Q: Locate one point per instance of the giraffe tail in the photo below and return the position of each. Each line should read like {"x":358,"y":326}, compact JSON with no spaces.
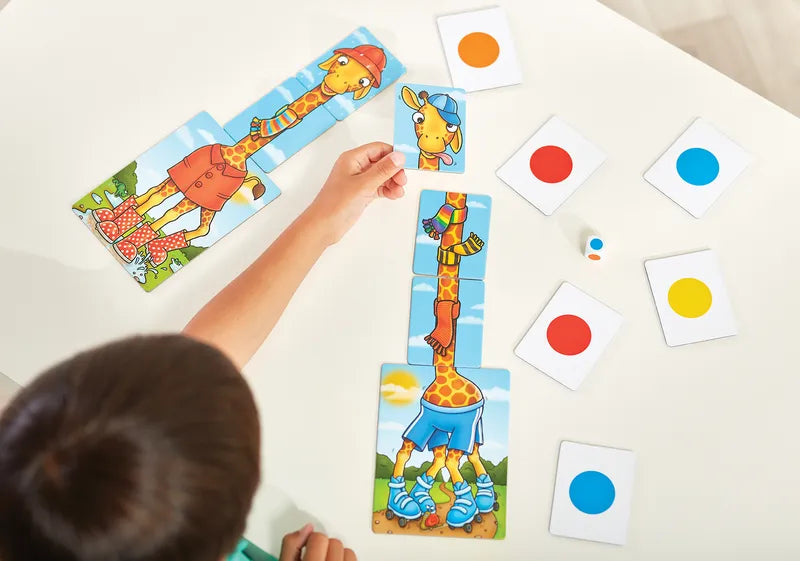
{"x":284,"y":119}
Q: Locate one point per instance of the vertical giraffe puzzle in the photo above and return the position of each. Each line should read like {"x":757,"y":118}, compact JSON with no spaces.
{"x":177,"y":199}
{"x":442,"y":450}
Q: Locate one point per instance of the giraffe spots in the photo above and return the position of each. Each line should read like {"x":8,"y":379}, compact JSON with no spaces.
{"x":445,"y":391}
{"x":441,"y":380}
{"x":471,"y":389}
{"x":239,"y":149}
{"x":458,"y":384}
{"x":459,"y":399}
{"x":434,"y":398}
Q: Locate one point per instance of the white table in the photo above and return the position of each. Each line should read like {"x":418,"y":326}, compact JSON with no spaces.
{"x":87,"y":85}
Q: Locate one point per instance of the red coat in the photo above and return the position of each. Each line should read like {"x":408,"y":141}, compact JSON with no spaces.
{"x":206,"y":178}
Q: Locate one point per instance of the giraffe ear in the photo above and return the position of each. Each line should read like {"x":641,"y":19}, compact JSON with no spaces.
{"x":326,"y":65}
{"x":410,"y":98}
{"x":358,"y":94}
{"x":455,"y":144}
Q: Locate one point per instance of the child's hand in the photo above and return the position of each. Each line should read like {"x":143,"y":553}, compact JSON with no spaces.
{"x":358,"y":177}
{"x":318,"y":547}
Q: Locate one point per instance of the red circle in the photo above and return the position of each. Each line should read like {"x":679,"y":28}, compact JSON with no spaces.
{"x":551,"y":164}
{"x":569,"y":335}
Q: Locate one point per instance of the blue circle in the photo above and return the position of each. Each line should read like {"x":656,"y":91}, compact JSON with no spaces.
{"x":698,"y":166}
{"x":592,"y":492}
{"x":596,"y":244}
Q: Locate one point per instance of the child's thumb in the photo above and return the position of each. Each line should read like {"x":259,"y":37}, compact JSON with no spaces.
{"x":384,"y":169}
{"x":293,"y":543}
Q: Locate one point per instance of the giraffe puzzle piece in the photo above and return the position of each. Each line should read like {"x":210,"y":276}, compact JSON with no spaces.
{"x":429,"y":126}
{"x":209,"y":168}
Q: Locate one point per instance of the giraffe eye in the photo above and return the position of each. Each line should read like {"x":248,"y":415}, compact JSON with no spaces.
{"x":365,"y":82}
{"x":342,"y":60}
{"x":452,"y":128}
{"x":418,"y":117}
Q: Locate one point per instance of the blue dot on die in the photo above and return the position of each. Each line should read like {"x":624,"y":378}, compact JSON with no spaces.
{"x":596,"y":244}
{"x":592,"y":492}
{"x":698,"y":166}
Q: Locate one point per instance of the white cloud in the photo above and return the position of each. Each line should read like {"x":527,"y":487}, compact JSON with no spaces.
{"x":417,"y":341}
{"x":477,"y":306}
{"x":399,"y":393}
{"x":496,"y":393}
{"x":346,"y":103}
{"x":185,"y":136}
{"x":425,"y":239}
{"x":475,"y":204}
{"x":423,"y":287}
{"x":492,"y":444}
{"x":406,"y":148}
{"x":287,"y":95}
{"x":392,"y":426}
{"x":274,"y":154}
{"x":307,"y":74}
{"x":470,"y":320}
{"x":360,"y":36}
{"x":207,"y":136}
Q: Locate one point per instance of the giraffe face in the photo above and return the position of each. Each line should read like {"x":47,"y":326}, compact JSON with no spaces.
{"x":346,"y":75}
{"x":434,"y":134}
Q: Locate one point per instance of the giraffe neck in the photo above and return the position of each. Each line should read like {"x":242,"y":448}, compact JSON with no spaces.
{"x":237,"y":154}
{"x":451,"y":389}
{"x":427,"y":161}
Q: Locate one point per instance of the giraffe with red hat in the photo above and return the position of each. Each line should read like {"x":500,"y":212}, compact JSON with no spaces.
{"x":209,"y":176}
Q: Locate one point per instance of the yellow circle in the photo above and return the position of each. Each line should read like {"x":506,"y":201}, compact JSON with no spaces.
{"x":400,"y":387}
{"x":478,"y":49}
{"x":689,"y":297}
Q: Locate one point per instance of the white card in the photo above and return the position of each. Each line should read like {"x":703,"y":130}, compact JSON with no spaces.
{"x":691,"y":298}
{"x":479,"y":49}
{"x":568,"y":337}
{"x":593,"y":492}
{"x":698,"y":167}
{"x":551,"y":165}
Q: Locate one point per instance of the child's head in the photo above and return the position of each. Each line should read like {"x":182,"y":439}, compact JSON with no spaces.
{"x":144,"y":449}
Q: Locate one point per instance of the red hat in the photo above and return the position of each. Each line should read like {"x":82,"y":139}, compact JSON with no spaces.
{"x":370,"y":57}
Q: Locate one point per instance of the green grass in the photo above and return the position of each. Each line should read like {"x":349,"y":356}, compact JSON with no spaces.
{"x":381,"y":498}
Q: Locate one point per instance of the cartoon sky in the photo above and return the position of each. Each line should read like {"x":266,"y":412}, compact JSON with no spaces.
{"x":479,"y":208}
{"x":401,"y":389}
{"x":152,"y":168}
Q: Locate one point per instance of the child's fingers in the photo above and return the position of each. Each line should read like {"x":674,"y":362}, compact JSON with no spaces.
{"x":349,"y":555}
{"x":293,"y":543}
{"x":317,"y":547}
{"x":361,"y":158}
{"x":384,"y":169}
{"x":335,"y":551}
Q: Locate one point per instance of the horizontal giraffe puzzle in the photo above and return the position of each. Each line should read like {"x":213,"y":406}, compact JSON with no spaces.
{"x":177,"y":199}
{"x":442,"y":452}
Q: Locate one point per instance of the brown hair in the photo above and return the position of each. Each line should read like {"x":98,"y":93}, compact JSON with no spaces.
{"x":146,"y":449}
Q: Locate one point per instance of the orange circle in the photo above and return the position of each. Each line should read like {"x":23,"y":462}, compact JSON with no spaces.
{"x":594,"y":257}
{"x":478,"y":49}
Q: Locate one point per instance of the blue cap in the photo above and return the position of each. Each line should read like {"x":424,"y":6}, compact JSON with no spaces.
{"x":446,"y":106}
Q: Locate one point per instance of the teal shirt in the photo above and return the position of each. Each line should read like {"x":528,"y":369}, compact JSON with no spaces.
{"x":246,"y":551}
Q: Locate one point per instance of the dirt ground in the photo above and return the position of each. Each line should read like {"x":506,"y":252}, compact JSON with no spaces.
{"x":485,"y":529}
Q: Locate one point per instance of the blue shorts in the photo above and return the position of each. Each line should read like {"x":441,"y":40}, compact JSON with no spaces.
{"x":457,"y":428}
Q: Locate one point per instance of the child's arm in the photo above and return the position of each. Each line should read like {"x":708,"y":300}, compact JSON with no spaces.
{"x":239,"y":318}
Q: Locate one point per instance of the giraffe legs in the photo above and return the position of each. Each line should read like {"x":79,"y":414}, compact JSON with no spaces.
{"x":403,"y":455}
{"x":485,"y":497}
{"x":184,"y":206}
{"x":155,"y":196}
{"x":206,"y":216}
{"x":475,"y":459}
{"x":452,"y":462}
{"x":439,"y":454}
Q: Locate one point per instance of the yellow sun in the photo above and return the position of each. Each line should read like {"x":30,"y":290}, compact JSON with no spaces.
{"x":400,"y":387}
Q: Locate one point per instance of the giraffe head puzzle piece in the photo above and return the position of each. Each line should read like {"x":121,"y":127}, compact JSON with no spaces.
{"x":430,"y":419}
{"x":352,"y":72}
{"x":215,"y":190}
{"x":429,"y":126}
